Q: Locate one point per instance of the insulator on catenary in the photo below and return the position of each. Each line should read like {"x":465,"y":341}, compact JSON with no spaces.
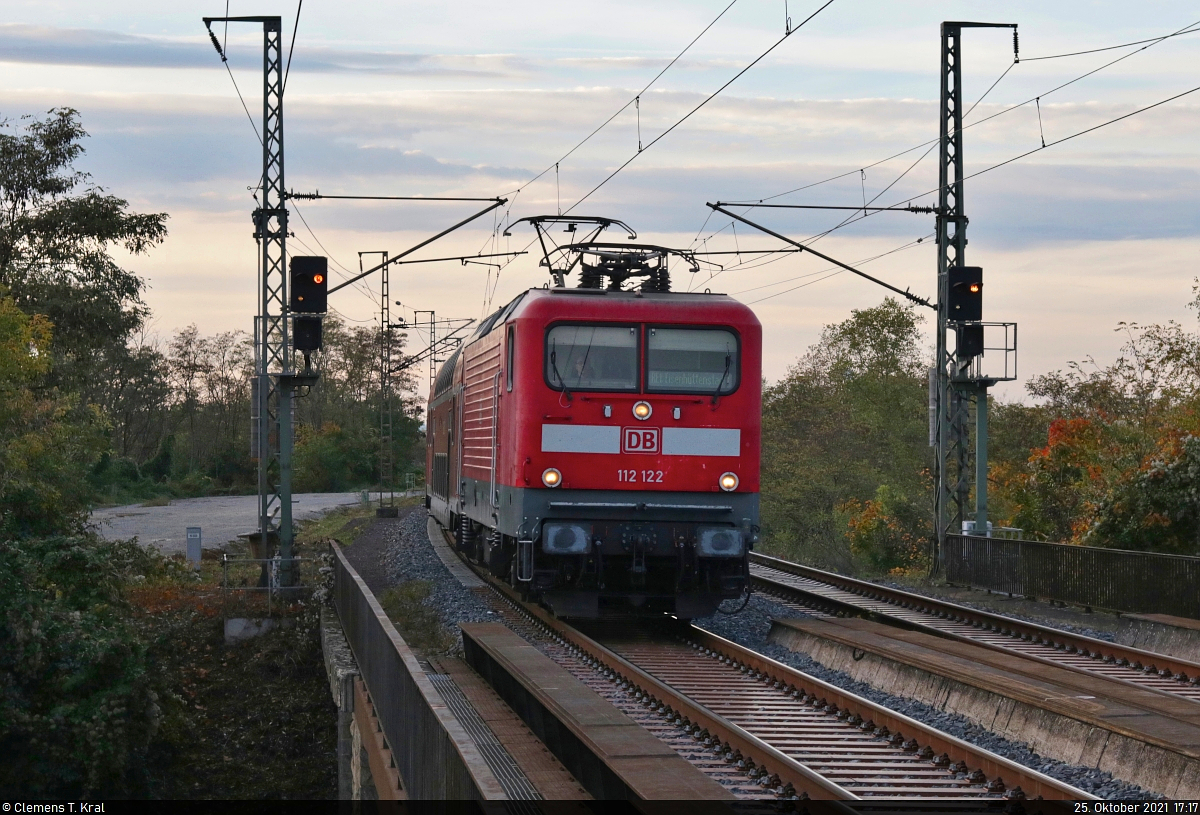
{"x":216,"y":44}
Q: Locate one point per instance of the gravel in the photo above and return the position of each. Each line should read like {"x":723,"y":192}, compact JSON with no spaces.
{"x":410,"y":556}
{"x":750,"y":627}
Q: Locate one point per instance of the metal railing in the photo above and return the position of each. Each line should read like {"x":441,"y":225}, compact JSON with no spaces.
{"x":267,"y":573}
{"x":433,"y":753}
{"x":1115,"y":579}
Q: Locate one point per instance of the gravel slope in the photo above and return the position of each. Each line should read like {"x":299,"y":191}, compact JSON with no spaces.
{"x":410,"y":556}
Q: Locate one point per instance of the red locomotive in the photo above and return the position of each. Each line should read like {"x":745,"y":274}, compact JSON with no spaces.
{"x":598,"y":447}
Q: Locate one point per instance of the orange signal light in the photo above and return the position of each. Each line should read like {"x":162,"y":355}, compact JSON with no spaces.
{"x":320,"y":278}
{"x":975,"y":288}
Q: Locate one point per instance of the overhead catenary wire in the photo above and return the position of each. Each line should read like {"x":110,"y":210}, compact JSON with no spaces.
{"x":1024,"y":155}
{"x":1076,"y":135}
{"x":790,"y":31}
{"x":832,"y":269}
{"x":1192,"y":29}
{"x":704,"y":102}
{"x":1151,"y":43}
{"x":1048,"y":145}
{"x":319,"y":196}
{"x":605,"y":123}
{"x":499,"y":202}
{"x":932,"y":144}
{"x":908,"y":295}
{"x":292,"y":47}
{"x":910,"y":199}
{"x":221,"y":52}
{"x":876,"y":197}
{"x":772,"y":256}
{"x":253,"y":126}
{"x":363,"y":288}
{"x":625,"y":107}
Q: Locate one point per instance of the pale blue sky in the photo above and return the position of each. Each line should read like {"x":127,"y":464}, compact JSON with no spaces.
{"x":476,"y":98}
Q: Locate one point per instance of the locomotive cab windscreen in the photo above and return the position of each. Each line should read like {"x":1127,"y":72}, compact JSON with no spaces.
{"x":592,"y":357}
{"x":691,"y":360}
{"x":678,"y":360}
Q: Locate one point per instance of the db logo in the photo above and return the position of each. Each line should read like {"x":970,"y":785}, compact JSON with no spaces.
{"x":639,"y":440}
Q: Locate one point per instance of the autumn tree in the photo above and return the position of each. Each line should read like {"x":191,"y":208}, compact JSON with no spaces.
{"x":338,"y":435}
{"x":58,"y":230}
{"x":849,"y":417}
{"x":1116,"y":462}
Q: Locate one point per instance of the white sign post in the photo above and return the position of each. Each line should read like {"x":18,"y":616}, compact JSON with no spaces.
{"x":193,"y":545}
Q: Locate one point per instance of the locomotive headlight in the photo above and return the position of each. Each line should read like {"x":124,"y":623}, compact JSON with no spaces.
{"x":642,"y":411}
{"x":720,"y":541}
{"x":551,"y":477}
{"x":728,"y":482}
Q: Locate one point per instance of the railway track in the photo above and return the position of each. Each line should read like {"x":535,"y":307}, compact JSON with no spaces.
{"x":763,"y":729}
{"x":817,"y":590}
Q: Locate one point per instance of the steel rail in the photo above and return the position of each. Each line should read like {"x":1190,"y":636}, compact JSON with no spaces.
{"x":768,"y":718}
{"x":923,"y":761}
{"x":847,"y":595}
{"x":653,"y":693}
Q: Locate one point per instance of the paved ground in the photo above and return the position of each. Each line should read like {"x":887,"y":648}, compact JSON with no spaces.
{"x":221,"y":519}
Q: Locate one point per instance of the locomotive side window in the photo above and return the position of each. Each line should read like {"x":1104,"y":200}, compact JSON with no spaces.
{"x":512,"y":355}
{"x":691,"y":360}
{"x":592,"y":358}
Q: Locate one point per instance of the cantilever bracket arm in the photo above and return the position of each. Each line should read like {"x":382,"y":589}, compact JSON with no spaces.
{"x":499,"y":203}
{"x":251,"y":19}
{"x":902,"y":292}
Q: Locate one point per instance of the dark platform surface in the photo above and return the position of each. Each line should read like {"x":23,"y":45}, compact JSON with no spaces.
{"x":610,"y":754}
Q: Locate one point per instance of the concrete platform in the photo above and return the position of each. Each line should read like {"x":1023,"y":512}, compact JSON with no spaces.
{"x":611,"y":755}
{"x":1177,"y":636}
{"x":1162,"y":633}
{"x":1139,"y":735}
{"x":461,"y":571}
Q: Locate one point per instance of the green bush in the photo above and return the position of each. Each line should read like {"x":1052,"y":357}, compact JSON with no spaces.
{"x":77,"y":711}
{"x":888,"y":534}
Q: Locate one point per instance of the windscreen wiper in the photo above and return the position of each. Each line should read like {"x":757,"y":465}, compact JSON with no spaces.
{"x":554,"y":367}
{"x":717,"y":393}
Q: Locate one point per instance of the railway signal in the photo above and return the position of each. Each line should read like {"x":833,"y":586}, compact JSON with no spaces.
{"x":310,"y":284}
{"x":965,"y":300}
{"x":969,"y":340}
{"x":306,"y":335}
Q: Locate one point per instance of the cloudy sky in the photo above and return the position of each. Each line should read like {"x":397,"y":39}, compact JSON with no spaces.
{"x":476,"y":99}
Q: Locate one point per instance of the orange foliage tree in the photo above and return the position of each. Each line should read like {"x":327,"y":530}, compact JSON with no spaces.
{"x":1121,"y":463}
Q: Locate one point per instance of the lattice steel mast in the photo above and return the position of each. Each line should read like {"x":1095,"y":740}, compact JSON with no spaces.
{"x":387,"y":492}
{"x":954,"y":389}
{"x":273,"y":374}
